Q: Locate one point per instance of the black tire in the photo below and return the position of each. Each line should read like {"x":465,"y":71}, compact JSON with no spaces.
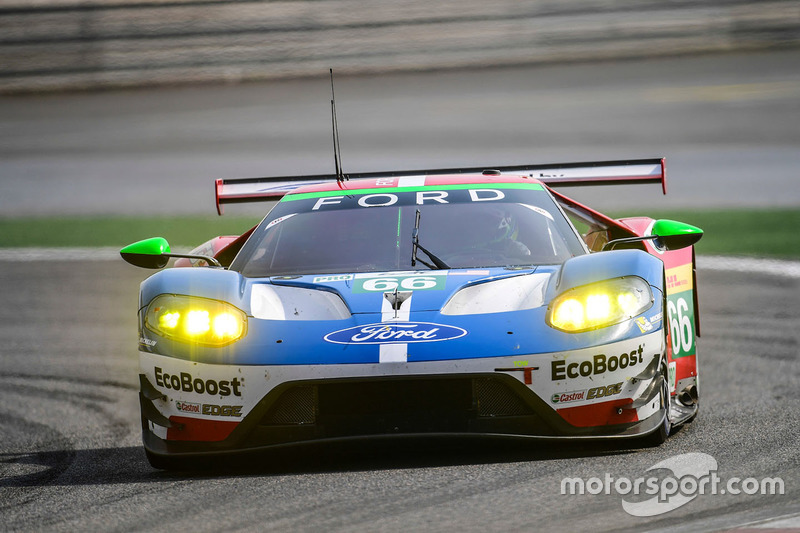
{"x":657,"y":437}
{"x":660,"y":435}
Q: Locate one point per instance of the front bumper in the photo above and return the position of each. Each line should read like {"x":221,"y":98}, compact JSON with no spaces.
{"x":195,"y":408}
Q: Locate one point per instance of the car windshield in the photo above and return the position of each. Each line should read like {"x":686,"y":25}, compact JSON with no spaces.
{"x":473,"y":226}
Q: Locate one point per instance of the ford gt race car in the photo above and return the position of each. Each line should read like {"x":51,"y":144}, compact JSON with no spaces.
{"x":435,"y":302}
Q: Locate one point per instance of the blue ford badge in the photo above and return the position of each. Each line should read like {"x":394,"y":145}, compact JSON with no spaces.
{"x":395,"y":332}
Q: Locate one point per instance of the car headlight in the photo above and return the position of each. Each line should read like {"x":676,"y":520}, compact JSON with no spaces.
{"x":600,"y":304}
{"x":195,"y":320}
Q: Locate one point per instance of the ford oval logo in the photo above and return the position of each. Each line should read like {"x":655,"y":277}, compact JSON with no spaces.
{"x":395,"y":332}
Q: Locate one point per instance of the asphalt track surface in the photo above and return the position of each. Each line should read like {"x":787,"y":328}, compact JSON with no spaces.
{"x":70,"y":452}
{"x":71,"y":458}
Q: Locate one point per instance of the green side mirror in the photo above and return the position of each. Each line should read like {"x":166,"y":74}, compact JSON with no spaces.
{"x":674,"y":235}
{"x":149,"y":253}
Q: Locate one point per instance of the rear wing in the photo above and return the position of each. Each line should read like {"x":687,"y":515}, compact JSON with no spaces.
{"x":626,"y":172}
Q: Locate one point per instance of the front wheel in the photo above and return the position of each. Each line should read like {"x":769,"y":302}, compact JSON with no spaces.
{"x":657,"y":437}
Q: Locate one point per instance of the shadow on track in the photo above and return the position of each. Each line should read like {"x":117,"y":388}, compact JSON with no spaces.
{"x":128,"y":464}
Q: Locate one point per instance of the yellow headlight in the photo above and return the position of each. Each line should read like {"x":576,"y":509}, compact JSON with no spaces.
{"x":168,"y":320}
{"x":569,"y":314}
{"x":600,"y":304}
{"x":628,"y":302}
{"x":226,"y":326}
{"x":598,"y":307}
{"x":195,"y":320}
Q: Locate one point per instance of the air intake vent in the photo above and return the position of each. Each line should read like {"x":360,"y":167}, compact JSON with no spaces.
{"x":297,"y":405}
{"x":495,"y":398}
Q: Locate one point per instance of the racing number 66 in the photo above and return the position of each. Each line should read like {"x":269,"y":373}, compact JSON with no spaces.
{"x":680,"y":327}
{"x":390,"y":284}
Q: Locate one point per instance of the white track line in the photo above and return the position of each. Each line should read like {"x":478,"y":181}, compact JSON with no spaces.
{"x":65,"y":254}
{"x":59,"y":254}
{"x":789,"y":522}
{"x":773,"y":267}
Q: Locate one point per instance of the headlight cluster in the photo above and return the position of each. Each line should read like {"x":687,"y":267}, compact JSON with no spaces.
{"x":600,"y":304}
{"x":195,"y":320}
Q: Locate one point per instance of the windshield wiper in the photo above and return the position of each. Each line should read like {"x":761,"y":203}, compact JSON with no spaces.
{"x":439,"y":264}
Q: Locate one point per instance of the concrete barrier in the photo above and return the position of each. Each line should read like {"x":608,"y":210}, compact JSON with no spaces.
{"x":73,"y":44}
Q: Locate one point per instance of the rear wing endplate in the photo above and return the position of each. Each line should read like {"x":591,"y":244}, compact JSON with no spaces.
{"x":626,"y":172}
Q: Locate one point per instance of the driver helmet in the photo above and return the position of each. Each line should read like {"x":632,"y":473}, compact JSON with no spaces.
{"x":497,"y":225}
{"x":499,"y":229}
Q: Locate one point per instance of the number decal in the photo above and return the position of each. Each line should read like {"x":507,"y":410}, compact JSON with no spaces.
{"x":405,"y":283}
{"x":681,"y":326}
{"x":419,"y":283}
{"x":672,"y":371}
{"x":674,"y":327}
{"x":380,"y":285}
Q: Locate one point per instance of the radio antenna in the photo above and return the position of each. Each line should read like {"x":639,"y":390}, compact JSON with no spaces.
{"x":337,"y":156}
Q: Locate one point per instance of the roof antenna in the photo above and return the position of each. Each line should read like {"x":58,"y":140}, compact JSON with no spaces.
{"x":337,"y":156}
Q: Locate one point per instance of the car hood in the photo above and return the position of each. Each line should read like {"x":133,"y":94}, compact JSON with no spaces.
{"x":435,"y":315}
{"x":416,"y":291}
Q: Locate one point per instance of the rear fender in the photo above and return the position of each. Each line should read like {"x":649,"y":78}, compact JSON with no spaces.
{"x":681,"y":304}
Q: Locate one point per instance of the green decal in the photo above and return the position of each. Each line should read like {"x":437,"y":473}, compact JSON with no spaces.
{"x":415,"y":282}
{"x":394,"y":190}
{"x":672,"y":370}
{"x":680,"y":310}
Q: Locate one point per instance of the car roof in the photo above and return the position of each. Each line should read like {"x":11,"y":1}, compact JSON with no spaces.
{"x":421,"y":180}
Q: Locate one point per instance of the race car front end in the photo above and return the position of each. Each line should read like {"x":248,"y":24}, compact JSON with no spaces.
{"x":412,"y":305}
{"x":320,"y":358}
{"x":495,"y":396}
